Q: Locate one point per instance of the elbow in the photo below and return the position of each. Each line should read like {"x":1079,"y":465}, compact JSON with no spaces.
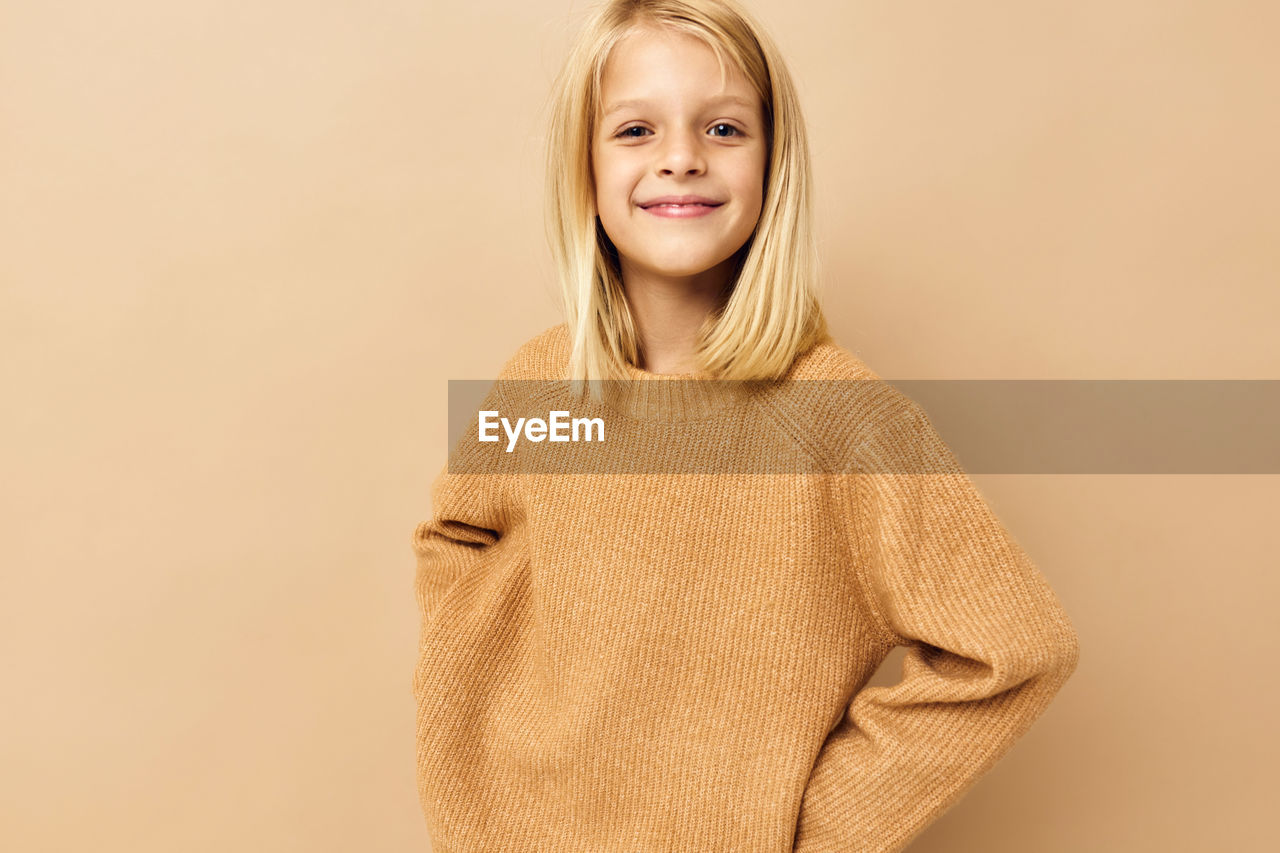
{"x":1056,"y":647}
{"x":1068,"y":654}
{"x":1043,"y":662}
{"x":1058,"y":657}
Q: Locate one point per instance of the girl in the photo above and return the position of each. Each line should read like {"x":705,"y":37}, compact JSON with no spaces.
{"x":654,"y":647}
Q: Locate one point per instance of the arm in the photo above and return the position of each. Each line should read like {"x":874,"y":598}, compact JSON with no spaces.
{"x":988,"y":645}
{"x":470,"y":500}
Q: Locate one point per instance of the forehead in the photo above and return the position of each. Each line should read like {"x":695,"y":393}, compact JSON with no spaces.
{"x":650,"y":65}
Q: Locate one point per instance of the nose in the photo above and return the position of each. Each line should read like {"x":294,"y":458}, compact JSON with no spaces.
{"x":680,"y":154}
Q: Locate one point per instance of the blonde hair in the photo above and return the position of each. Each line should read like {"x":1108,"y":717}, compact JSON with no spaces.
{"x":772,"y":313}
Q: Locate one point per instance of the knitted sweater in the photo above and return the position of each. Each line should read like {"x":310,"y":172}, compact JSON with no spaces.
{"x":670,"y":661}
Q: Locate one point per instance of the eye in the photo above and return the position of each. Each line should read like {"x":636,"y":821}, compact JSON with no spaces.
{"x":625,"y":133}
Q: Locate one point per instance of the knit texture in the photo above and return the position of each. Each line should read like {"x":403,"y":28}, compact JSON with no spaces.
{"x":676,"y":662}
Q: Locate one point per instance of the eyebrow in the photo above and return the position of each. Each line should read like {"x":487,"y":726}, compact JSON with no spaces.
{"x":640,"y":102}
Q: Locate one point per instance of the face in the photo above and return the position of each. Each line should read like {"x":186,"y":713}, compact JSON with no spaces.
{"x":681,"y":134}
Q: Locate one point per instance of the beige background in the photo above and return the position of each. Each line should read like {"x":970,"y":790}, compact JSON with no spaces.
{"x":245,"y":245}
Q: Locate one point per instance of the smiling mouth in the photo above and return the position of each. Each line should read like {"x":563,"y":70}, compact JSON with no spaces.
{"x":692,"y":210}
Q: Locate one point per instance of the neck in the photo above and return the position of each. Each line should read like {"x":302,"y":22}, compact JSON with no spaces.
{"x":668,"y":311}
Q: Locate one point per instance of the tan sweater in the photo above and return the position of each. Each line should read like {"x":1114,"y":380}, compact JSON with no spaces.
{"x":675,"y":659}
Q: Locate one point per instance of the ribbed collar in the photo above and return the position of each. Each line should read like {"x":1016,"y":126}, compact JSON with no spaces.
{"x":673,"y":397}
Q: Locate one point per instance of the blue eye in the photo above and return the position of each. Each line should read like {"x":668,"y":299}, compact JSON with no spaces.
{"x":625,"y":131}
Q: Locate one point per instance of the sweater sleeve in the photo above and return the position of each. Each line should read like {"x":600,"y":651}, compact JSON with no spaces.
{"x":988,"y":645}
{"x":470,"y":512}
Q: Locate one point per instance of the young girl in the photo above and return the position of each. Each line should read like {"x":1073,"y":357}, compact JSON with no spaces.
{"x":661,"y":642}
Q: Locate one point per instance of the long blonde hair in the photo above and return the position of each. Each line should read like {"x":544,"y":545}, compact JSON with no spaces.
{"x":772,"y":313}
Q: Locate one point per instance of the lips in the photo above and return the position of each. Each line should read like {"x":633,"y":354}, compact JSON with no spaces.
{"x":681,"y":211}
{"x":677,"y":201}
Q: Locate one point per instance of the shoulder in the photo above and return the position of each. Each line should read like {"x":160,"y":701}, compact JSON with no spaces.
{"x":841,"y":404}
{"x":829,"y":360}
{"x":543,"y":356}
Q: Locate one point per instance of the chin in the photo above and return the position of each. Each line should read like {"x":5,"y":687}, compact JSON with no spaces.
{"x":682,"y":262}
{"x":681,"y":271}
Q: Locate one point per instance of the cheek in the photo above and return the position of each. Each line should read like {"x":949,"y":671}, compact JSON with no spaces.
{"x":751,"y":188}
{"x":614,"y":189}
{"x":600,"y":171}
{"x":750,"y":177}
